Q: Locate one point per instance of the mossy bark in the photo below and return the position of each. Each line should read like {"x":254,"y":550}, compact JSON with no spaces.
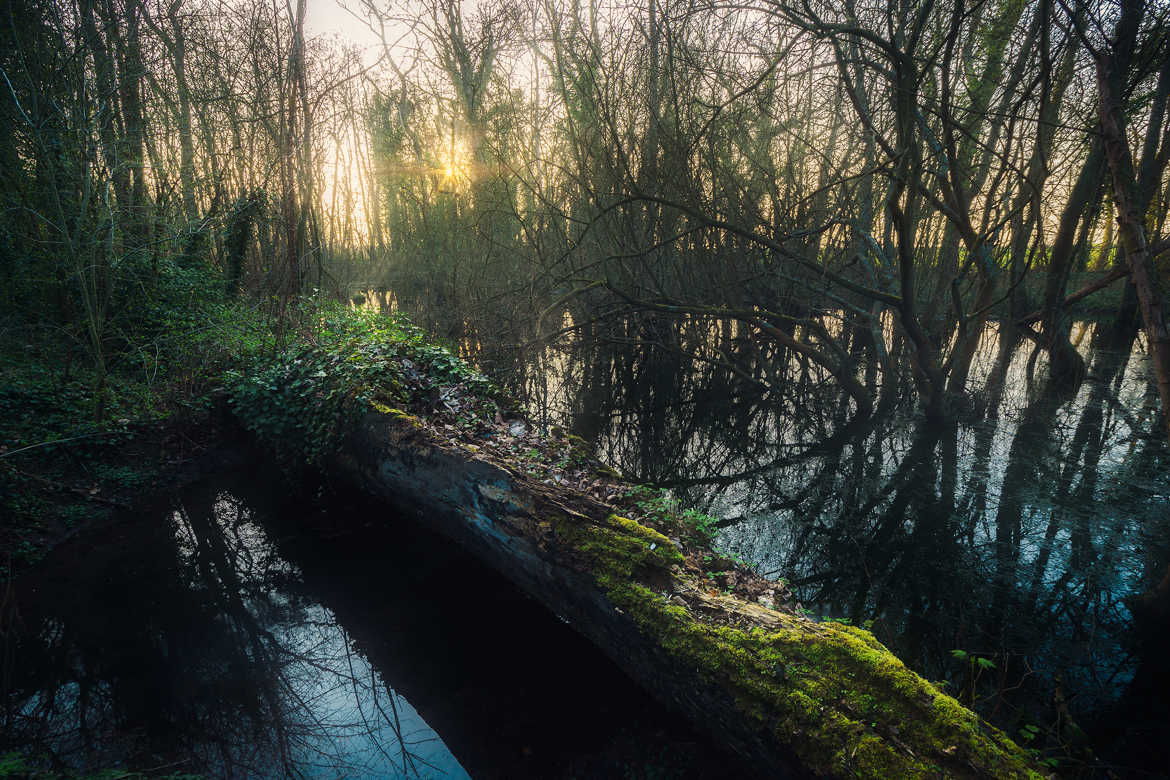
{"x":792,"y":696}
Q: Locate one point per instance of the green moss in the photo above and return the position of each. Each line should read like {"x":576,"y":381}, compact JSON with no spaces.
{"x":397,"y":414}
{"x":832,"y":692}
{"x":619,"y":548}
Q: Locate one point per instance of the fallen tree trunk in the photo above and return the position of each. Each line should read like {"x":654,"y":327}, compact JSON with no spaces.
{"x":792,"y":696}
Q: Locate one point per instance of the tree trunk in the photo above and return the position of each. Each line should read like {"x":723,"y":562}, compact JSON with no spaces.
{"x":738,"y":670}
{"x":1132,"y":229}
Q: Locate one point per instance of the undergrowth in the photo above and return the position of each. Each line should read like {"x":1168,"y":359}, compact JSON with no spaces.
{"x":17,"y":766}
{"x":297,"y":378}
{"x":73,"y":446}
{"x":303,"y":399}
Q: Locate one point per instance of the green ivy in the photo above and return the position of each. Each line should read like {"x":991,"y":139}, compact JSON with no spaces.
{"x":305,"y":398}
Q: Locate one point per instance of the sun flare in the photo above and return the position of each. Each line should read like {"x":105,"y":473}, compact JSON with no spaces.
{"x":454,"y":158}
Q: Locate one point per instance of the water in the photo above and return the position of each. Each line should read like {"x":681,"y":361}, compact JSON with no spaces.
{"x":242,"y":629}
{"x":1002,"y":554}
{"x":1014,"y":555}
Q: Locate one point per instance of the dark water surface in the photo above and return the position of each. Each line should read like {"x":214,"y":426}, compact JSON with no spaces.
{"x":244,"y":630}
{"x":1015,"y":554}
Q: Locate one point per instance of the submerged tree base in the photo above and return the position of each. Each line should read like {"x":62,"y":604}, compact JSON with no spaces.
{"x":791,"y":695}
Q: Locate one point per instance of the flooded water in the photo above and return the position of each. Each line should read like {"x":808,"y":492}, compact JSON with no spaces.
{"x":246,"y":629}
{"x":1020,"y":555}
{"x":1005,"y":554}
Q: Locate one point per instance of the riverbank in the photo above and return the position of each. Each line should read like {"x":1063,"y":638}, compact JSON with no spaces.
{"x":72,"y":486}
{"x":78,"y":443}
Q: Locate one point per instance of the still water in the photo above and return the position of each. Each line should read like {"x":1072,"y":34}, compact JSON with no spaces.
{"x":1005,"y":554}
{"x":244,"y":628}
{"x":1019,"y":555}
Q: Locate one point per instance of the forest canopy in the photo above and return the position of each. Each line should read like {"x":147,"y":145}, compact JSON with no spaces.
{"x":841,"y":184}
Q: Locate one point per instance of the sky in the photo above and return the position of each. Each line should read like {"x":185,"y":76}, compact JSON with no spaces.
{"x":329,"y":18}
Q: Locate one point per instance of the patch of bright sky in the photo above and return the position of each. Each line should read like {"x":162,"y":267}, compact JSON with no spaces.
{"x":331,"y":19}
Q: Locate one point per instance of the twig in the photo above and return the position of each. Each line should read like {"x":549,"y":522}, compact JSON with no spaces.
{"x":56,"y":441}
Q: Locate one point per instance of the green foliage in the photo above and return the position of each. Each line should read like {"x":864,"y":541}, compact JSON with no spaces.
{"x":167,"y":351}
{"x":13,"y":765}
{"x":663,"y":509}
{"x":1029,"y":732}
{"x":16,"y":765}
{"x":185,"y":336}
{"x":124,"y":475}
{"x":300,"y":399}
{"x":244,"y":211}
{"x":981,"y":662}
{"x":169,"y":342}
{"x":36,"y":406}
{"x":306,"y":397}
{"x":976,"y":665}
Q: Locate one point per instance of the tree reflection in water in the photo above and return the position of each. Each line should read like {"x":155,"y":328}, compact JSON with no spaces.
{"x":249,"y":630}
{"x":1020,"y":533}
{"x":215,"y":662}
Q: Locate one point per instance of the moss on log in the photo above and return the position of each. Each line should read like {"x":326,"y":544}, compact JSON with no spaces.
{"x":793,"y":696}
